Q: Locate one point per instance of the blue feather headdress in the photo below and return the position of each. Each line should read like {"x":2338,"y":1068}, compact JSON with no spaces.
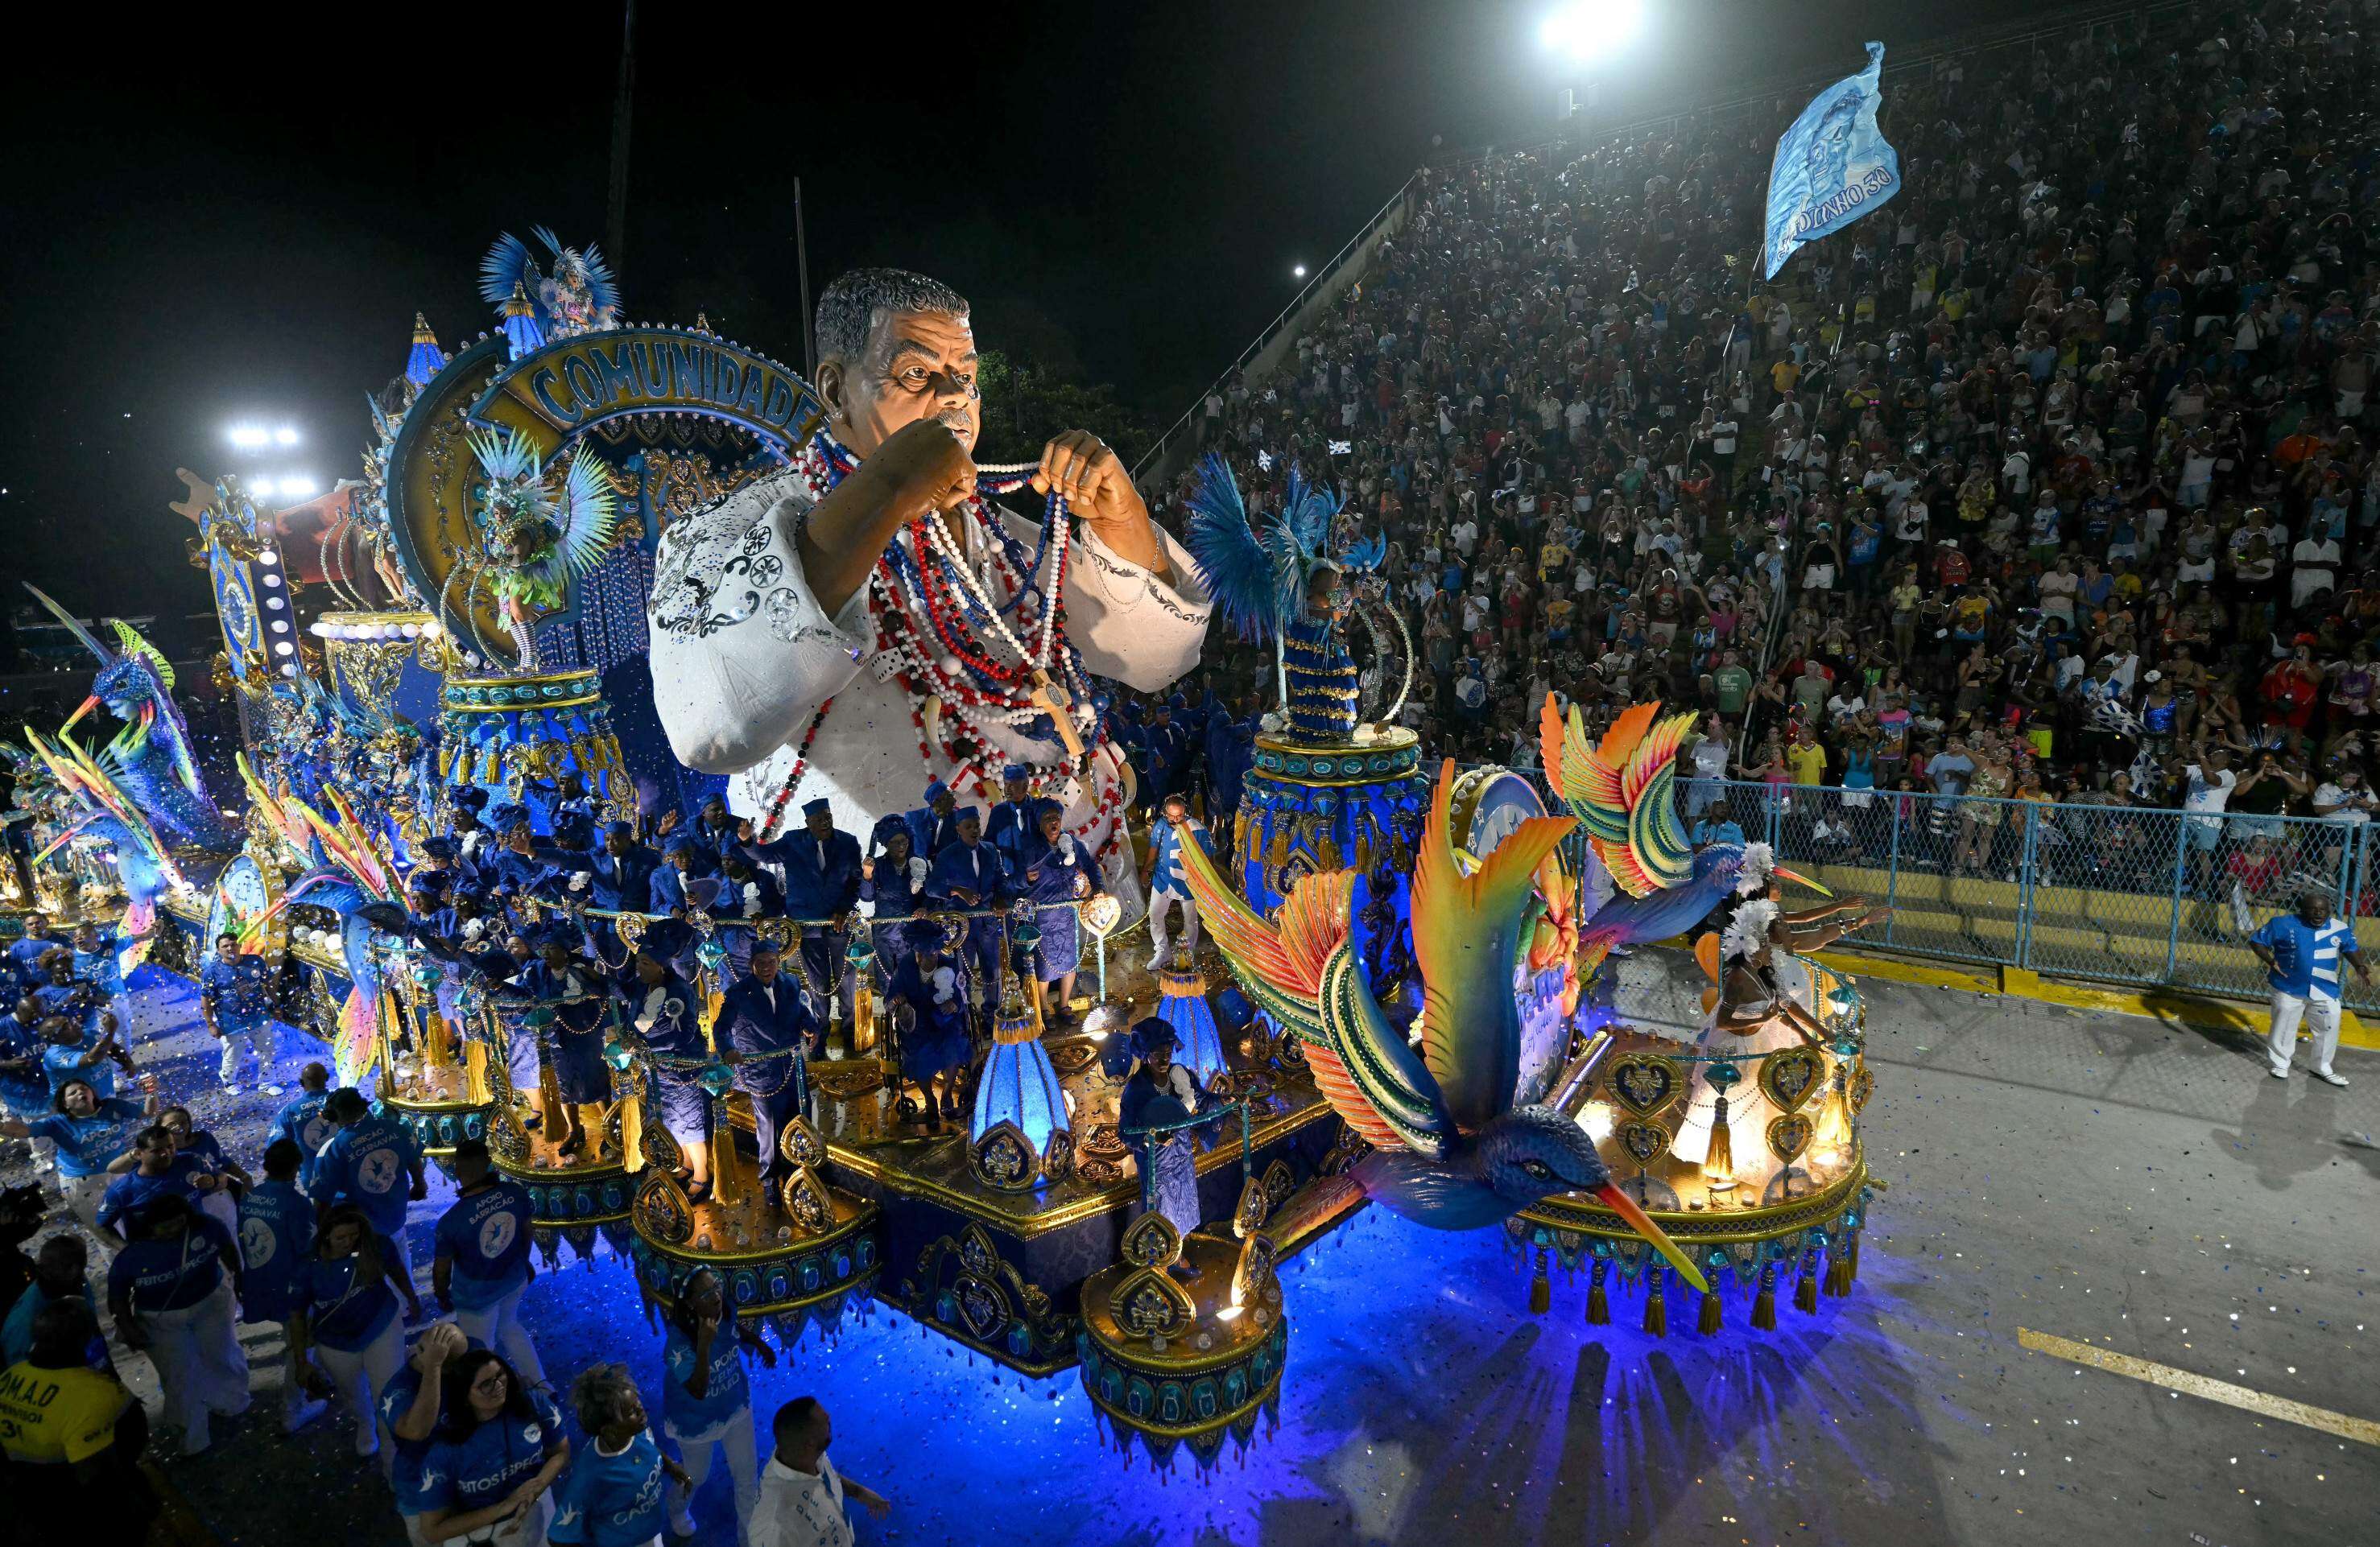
{"x":1256,"y":567}
{"x":577,"y":295}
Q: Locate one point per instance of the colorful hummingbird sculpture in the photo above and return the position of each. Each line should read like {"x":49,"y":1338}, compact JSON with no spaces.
{"x":1452,"y":1150}
{"x":1621,"y":791}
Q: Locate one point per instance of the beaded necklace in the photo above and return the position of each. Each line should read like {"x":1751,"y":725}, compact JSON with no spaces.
{"x":937,"y":621}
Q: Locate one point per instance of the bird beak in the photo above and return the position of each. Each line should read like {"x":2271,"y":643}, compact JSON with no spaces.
{"x":1798,"y":879}
{"x":1641,"y":1223}
{"x":88,"y":705}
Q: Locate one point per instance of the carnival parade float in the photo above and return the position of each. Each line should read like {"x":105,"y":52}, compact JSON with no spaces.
{"x":459,"y":642}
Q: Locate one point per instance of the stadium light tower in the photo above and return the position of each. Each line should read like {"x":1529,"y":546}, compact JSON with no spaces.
{"x":1588,"y":36}
{"x":1590,"y":31}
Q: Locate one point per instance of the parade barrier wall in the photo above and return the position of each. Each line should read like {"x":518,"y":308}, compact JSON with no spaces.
{"x":2137,"y":897}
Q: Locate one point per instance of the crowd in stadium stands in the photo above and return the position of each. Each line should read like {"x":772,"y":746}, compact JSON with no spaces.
{"x":2052,"y":479}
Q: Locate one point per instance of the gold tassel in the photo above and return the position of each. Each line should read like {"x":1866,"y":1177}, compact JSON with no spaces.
{"x":1855,"y":1248}
{"x":1838,"y":1272}
{"x":1599,"y":1304}
{"x":1805,"y":1291}
{"x":1710,"y":1312}
{"x":1764,"y":1304}
{"x":1719,"y":1166}
{"x":1656,"y":1310}
{"x":1541,"y":1287}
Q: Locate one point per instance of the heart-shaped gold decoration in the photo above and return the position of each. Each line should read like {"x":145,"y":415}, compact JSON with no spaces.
{"x":1642,"y":1082}
{"x":1787,"y":1077}
{"x":1101,"y":914}
{"x":1863,"y":1085}
{"x":1789,"y":1135}
{"x":1644,"y":1141}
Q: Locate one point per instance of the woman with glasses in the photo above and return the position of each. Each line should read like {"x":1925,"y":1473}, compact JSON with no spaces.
{"x":496,"y":1455}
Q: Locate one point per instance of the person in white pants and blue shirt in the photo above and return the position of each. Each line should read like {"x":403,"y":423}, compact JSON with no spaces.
{"x":483,"y":1267}
{"x":1168,"y":888}
{"x":2302,"y":953}
{"x":706,"y":1402}
{"x":171,"y":1290}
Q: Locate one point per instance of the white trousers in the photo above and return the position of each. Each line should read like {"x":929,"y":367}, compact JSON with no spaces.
{"x":498,"y":1326}
{"x":238,"y":1045}
{"x":2318,"y":1013}
{"x":221,"y":1207}
{"x":359,"y":1377}
{"x":83,"y":1195}
{"x":1161,"y":905}
{"x":694,"y":1453}
{"x":199,"y":1364}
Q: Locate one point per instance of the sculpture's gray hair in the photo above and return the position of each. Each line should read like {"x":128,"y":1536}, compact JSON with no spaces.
{"x":848,"y":309}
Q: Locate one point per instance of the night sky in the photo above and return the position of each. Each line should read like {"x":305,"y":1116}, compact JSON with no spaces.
{"x":235,"y":217}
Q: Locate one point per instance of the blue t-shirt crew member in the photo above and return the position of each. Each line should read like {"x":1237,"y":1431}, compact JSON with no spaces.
{"x":493,"y":1452}
{"x":88,"y":1130}
{"x":483,"y":1267}
{"x":236,"y":1001}
{"x":372,"y":1162}
{"x":2302,"y":952}
{"x":276,"y":1237}
{"x":706,"y":1402}
{"x":614,"y":1494}
{"x":347,"y":1320}
{"x":171,"y":1290}
{"x":301,"y":1121}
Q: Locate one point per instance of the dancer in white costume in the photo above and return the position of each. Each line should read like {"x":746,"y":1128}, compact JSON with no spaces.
{"x":866,"y":619}
{"x":1766,"y":1003}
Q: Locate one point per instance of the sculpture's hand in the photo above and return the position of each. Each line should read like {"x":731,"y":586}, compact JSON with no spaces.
{"x":1086,"y":471}
{"x":925,"y":468}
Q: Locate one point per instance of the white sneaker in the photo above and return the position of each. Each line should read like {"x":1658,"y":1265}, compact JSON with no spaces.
{"x":2278,"y":1073}
{"x":231,"y":1090}
{"x":2327,"y":1078}
{"x":269,"y":1090}
{"x":292,"y":1422}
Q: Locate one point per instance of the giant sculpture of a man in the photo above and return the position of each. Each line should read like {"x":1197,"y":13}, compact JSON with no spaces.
{"x":866,"y":619}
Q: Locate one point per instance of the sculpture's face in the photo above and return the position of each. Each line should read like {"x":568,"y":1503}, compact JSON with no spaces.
{"x":918,"y":365}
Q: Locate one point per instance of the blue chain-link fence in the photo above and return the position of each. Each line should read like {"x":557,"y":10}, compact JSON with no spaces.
{"x":2122,"y":894}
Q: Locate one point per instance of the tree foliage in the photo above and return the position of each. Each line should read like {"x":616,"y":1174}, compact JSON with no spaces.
{"x":1026,"y":404}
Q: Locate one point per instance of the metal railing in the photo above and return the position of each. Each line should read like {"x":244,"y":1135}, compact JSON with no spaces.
{"x":1327,"y":276}
{"x":2142,"y":896}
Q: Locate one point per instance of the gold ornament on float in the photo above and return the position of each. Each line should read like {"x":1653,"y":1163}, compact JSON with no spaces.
{"x":1642,"y":1082}
{"x":1789,"y":1078}
{"x":1789,"y":1135}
